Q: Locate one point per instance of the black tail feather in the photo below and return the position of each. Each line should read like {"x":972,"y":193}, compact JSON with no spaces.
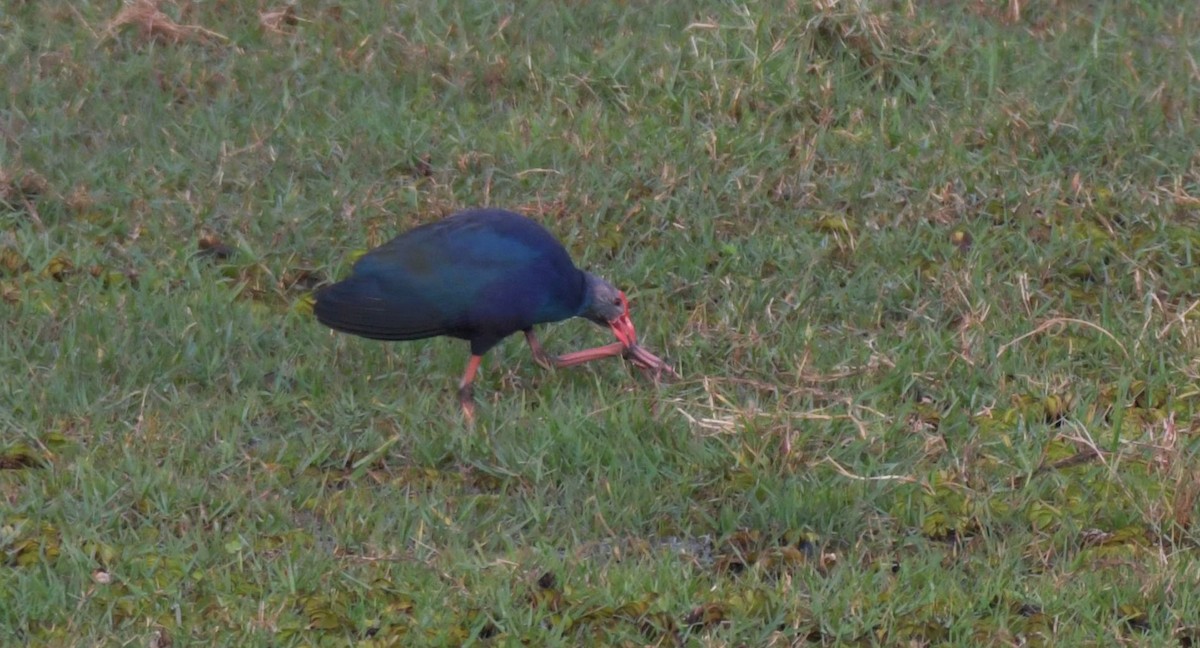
{"x":359,"y":306}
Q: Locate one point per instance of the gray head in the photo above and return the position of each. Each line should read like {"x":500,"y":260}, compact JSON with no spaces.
{"x":607,"y":306}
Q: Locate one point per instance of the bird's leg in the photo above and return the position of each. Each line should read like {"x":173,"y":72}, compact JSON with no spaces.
{"x":587,"y":355}
{"x":535,"y":347}
{"x":637,"y":354}
{"x":466,"y":389}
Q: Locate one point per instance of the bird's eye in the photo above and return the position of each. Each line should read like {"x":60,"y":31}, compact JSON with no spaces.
{"x":617,"y":301}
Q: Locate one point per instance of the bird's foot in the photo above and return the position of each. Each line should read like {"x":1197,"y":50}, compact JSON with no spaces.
{"x":648,"y":362}
{"x":539,"y":355}
{"x":543,"y":359}
{"x":466,"y":389}
{"x":466,"y":398}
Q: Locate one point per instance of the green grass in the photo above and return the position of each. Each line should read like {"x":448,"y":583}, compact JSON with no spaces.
{"x":941,"y":252}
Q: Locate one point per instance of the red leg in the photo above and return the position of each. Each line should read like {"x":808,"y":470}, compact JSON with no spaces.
{"x":466,"y":389}
{"x":636,"y":354}
{"x":587,"y":355}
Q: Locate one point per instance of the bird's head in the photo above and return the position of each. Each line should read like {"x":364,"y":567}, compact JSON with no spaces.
{"x":607,"y":306}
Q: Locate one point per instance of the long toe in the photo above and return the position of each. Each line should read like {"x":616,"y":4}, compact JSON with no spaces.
{"x":535,"y":348}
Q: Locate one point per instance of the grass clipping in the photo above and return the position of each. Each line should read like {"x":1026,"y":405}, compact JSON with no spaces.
{"x":154,"y":25}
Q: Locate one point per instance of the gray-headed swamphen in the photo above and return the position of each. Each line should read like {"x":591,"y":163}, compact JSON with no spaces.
{"x":479,"y":275}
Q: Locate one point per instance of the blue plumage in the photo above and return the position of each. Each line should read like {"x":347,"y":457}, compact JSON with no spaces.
{"x":479,"y":275}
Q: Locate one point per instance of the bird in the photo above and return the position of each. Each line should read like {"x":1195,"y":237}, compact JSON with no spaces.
{"x":479,"y":275}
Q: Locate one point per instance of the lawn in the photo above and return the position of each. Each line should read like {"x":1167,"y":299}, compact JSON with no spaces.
{"x":925,"y":270}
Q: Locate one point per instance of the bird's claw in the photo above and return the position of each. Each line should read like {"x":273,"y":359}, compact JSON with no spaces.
{"x":648,"y":362}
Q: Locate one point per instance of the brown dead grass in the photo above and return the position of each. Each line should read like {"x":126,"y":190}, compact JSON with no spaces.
{"x":19,"y":190}
{"x":279,"y":20}
{"x":153,"y":25}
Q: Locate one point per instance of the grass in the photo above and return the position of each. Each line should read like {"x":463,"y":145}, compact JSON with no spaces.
{"x":926,"y":268}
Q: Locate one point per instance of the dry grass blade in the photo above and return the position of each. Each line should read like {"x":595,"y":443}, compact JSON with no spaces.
{"x":1166,"y":452}
{"x":1056,"y":321}
{"x":154,"y":25}
{"x":841,"y":470}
